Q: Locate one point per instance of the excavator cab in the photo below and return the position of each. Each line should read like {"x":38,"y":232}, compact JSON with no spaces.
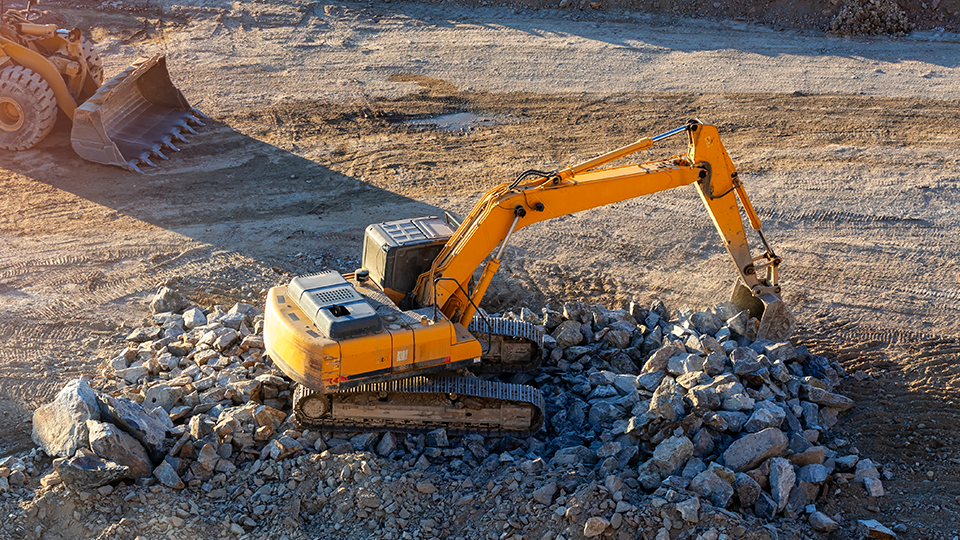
{"x":397,"y":252}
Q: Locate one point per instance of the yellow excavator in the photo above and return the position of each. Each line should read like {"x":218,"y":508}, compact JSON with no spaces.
{"x":129,"y":121}
{"x":383,"y":348}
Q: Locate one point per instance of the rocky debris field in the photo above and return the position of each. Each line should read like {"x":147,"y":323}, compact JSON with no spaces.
{"x":659,"y":426}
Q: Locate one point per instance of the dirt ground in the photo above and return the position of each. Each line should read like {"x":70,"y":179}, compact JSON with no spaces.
{"x":847,"y":147}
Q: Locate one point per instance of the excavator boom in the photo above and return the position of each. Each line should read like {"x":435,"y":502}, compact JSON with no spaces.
{"x":512,"y":206}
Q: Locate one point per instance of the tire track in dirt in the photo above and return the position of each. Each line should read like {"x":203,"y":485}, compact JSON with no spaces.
{"x":905,"y":386}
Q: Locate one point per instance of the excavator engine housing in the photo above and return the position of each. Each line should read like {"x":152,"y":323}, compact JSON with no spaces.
{"x":333,"y":305}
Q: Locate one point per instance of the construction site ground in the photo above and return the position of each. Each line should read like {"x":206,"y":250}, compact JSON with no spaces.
{"x":323,"y":121}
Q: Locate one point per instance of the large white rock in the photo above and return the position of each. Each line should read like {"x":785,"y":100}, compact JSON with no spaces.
{"x":60,"y":427}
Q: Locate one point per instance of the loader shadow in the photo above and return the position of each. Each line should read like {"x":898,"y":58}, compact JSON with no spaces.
{"x":227,"y":189}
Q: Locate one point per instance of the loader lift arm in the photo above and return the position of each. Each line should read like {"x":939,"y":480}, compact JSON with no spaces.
{"x":512,"y":206}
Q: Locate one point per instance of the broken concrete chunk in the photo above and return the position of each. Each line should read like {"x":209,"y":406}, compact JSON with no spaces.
{"x":161,"y":395}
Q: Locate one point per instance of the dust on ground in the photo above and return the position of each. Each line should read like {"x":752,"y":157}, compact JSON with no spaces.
{"x":855,"y":177}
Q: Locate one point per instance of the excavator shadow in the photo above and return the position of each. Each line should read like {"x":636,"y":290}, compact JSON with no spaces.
{"x":228,"y":190}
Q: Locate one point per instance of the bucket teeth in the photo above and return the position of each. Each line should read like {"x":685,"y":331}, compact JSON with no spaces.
{"x":155,"y":118}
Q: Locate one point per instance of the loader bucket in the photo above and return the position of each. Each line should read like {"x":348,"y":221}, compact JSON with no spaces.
{"x":776,"y":321}
{"x":134,"y":117}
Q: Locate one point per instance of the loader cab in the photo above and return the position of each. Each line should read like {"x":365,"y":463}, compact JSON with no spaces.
{"x":397,"y":252}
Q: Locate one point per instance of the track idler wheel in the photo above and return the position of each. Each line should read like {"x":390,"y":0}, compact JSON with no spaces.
{"x":310,"y":406}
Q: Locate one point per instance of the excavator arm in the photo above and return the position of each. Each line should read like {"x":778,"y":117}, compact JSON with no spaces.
{"x":512,"y":206}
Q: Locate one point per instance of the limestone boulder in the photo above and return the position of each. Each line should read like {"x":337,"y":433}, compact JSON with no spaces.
{"x":60,"y":427}
{"x":112,"y":444}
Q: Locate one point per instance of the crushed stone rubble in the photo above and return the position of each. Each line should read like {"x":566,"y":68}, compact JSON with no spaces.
{"x":669,"y":427}
{"x":871,"y":18}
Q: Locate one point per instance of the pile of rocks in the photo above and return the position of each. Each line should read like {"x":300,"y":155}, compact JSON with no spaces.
{"x":188,"y":397}
{"x":654,"y":423}
{"x":704,"y":406}
{"x":871,"y":18}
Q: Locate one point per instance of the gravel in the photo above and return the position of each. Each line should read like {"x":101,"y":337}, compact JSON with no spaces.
{"x":681,"y":423}
{"x":871,"y":18}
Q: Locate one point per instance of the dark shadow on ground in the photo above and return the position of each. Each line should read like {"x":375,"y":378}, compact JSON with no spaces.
{"x":227,"y":189}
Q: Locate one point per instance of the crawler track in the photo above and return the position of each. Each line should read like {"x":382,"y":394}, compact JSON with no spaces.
{"x":418,"y":405}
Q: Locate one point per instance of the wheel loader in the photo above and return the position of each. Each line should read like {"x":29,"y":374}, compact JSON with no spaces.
{"x":128,"y":121}
{"x":388,"y":347}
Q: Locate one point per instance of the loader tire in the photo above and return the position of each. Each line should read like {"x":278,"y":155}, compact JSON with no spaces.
{"x":28,"y":108}
{"x":94,"y":63}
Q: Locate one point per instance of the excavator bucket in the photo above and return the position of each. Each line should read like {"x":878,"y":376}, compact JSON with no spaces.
{"x":776,"y":321}
{"x":134,"y":117}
